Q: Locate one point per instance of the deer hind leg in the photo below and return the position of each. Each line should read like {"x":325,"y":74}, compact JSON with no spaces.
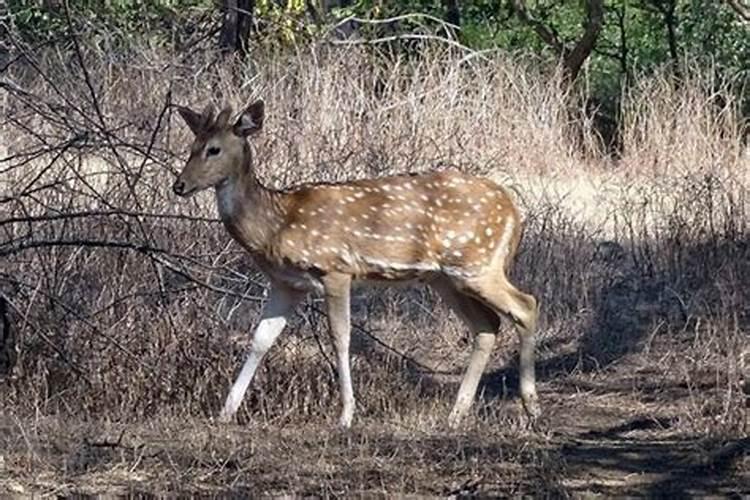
{"x":483,"y":323}
{"x":275,"y":315}
{"x":522,"y":309}
{"x":337,"y":293}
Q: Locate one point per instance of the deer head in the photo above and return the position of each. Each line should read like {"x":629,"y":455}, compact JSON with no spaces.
{"x":220,"y":149}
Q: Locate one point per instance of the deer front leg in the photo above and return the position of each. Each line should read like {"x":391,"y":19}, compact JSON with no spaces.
{"x":275,"y":315}
{"x":337,"y":292}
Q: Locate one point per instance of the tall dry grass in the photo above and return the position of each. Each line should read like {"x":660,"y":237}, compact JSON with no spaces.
{"x":128,"y":303}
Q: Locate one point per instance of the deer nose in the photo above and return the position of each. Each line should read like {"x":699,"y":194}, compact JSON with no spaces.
{"x":178,"y":187}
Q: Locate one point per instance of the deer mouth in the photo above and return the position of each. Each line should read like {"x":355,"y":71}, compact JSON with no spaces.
{"x":181,"y":189}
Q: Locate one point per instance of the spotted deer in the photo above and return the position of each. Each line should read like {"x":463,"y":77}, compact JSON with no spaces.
{"x":456,"y":232}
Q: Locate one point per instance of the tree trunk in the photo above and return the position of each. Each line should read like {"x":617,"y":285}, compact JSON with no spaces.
{"x":573,"y":57}
{"x":8,"y":352}
{"x":327,"y":5}
{"x":667,"y":10}
{"x":452,"y":16}
{"x":623,"y":54}
{"x":236,"y":26}
{"x":452,"y":12}
{"x":5,"y":23}
{"x":670,"y":21}
{"x":312,"y":9}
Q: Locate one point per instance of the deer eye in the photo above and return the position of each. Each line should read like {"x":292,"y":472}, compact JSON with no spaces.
{"x":212,"y":151}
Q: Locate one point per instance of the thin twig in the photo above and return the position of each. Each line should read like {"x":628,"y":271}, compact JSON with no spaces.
{"x":105,"y":213}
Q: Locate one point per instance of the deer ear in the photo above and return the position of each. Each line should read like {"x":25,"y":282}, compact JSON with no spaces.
{"x":196,"y":121}
{"x":251,"y":120}
{"x":223,"y":118}
{"x":208,"y":114}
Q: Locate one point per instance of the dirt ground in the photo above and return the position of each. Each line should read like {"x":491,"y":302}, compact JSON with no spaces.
{"x":619,"y":432}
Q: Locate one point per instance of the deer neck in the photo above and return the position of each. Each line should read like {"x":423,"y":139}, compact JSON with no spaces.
{"x":251,"y":212}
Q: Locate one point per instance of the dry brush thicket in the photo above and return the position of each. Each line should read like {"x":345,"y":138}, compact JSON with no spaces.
{"x":127,"y":303}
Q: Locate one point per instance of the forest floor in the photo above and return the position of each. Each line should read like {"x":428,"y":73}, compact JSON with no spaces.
{"x":623,"y":431}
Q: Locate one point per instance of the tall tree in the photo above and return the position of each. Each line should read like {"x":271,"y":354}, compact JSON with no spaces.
{"x":668,"y":10}
{"x":8,"y":349}
{"x":5,"y":21}
{"x":573,"y":55}
{"x":236,"y":25}
{"x":452,"y":12}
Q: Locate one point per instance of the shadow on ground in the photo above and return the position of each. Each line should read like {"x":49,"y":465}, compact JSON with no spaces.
{"x":632,"y":459}
{"x":633,"y":303}
{"x":629,"y":458}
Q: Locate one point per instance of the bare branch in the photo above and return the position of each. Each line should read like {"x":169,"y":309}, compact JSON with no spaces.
{"x":545,"y":33}
{"x":741,"y":8}
{"x":576,"y":57}
{"x":104,"y":213}
{"x":573,"y":57}
{"x":158,"y":255}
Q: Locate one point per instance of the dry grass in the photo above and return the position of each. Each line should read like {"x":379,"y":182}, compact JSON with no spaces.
{"x":124,"y":354}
